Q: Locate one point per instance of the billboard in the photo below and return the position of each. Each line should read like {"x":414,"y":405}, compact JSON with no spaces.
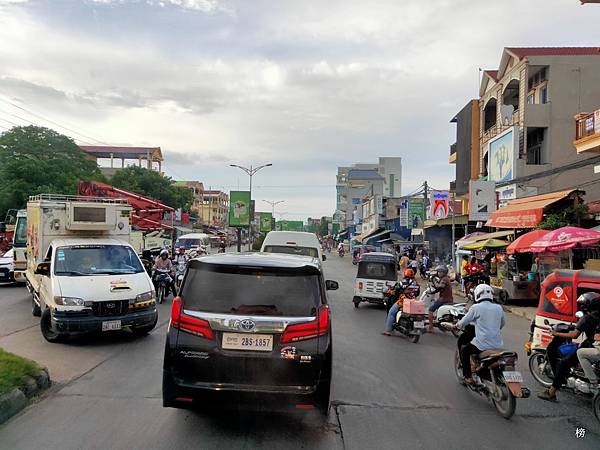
{"x":416,"y":212}
{"x":439,"y":205}
{"x":290,"y":225}
{"x":404,"y":213}
{"x":482,"y":199}
{"x":265,"y":222}
{"x":239,"y":208}
{"x":501,"y":157}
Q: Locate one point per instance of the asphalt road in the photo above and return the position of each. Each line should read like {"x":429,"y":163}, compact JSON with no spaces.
{"x":387,"y":393}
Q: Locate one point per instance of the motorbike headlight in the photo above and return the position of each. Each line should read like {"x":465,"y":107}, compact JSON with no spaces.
{"x":69,"y":301}
{"x":145,"y":297}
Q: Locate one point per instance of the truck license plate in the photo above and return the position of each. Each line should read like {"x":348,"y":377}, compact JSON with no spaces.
{"x":256,"y":342}
{"x":111,"y":325}
{"x":513,"y":377}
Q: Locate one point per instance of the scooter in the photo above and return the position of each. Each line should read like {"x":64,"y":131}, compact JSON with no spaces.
{"x":179,"y":275}
{"x":163,"y":281}
{"x":494,"y":375}
{"x":541,"y":369}
{"x":446,"y":315}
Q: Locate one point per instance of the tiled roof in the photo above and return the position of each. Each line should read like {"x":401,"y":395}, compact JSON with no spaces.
{"x":362,"y":174}
{"x":492,"y":73}
{"x":522,"y":52}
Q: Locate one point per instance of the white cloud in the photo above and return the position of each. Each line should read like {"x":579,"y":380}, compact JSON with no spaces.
{"x":307,"y":85}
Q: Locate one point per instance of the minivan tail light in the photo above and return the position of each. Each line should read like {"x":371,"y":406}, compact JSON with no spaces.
{"x":187,"y":323}
{"x":308,"y":330}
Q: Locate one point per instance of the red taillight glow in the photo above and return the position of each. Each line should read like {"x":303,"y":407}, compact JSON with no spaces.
{"x":307,"y":330}
{"x":187,"y":323}
{"x":360,"y":285}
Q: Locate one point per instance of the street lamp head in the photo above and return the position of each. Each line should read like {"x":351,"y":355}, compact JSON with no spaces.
{"x":268,"y":165}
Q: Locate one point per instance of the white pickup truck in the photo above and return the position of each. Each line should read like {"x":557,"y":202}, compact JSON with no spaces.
{"x":83,"y":273}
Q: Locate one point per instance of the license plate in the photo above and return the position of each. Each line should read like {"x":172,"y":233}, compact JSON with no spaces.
{"x":256,"y":342}
{"x":419,"y":324}
{"x":111,"y":325}
{"x":513,"y":377}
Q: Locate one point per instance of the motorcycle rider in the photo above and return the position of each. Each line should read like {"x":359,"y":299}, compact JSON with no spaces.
{"x":408,"y":282}
{"x":340,"y":248}
{"x":444,"y":287}
{"x":589,"y":304}
{"x":181,"y":257}
{"x":488,"y":319}
{"x":163,"y":262}
{"x":222,"y":246}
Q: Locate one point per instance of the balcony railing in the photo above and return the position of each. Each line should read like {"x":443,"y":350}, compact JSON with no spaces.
{"x":587,"y":124}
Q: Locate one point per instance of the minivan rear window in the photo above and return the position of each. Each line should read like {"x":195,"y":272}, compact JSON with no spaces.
{"x":377,"y":270}
{"x":250,"y":291}
{"x":302,"y":251}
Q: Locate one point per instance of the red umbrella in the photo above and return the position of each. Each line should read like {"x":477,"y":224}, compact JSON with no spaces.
{"x":565,"y":238}
{"x":523,"y":243}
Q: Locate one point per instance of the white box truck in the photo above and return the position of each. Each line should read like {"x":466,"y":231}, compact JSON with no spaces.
{"x":83,"y":273}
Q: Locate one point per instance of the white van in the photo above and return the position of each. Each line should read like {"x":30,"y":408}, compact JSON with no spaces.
{"x":193,"y":241}
{"x":293,"y":243}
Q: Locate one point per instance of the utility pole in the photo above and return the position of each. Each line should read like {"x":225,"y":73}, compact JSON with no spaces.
{"x":250,"y":171}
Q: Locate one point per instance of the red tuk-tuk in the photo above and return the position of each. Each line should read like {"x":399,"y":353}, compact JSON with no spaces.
{"x":558,"y":300}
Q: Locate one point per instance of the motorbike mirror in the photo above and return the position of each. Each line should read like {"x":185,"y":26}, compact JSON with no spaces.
{"x":579,"y":314}
{"x":331,"y":285}
{"x":546,"y":322}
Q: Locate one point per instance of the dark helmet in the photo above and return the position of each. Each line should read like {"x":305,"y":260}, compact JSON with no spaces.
{"x":589,"y":302}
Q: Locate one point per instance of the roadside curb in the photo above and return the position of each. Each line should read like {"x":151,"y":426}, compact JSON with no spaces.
{"x":14,"y":401}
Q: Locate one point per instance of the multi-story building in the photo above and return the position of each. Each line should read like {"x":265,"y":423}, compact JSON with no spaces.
{"x":215,"y":208}
{"x":197,"y":189}
{"x":385,"y":175}
{"x":465,"y":150}
{"x":526,"y":111}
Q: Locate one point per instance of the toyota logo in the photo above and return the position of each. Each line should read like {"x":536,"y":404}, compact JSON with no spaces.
{"x":246,"y":325}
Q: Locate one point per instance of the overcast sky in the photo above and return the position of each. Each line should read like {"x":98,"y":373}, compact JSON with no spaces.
{"x":306,"y":85}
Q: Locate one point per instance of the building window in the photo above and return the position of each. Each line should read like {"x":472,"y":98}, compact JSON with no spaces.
{"x":544,"y":95}
{"x":535,"y":143}
{"x":391,"y":185}
{"x":531,"y":98}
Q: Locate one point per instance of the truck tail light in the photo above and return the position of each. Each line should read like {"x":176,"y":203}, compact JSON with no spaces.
{"x":360,"y":285}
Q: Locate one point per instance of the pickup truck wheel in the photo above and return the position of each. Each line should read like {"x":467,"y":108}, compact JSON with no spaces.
{"x":35,"y":309}
{"x":48,"y":332}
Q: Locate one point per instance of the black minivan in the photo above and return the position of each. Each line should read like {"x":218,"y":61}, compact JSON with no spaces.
{"x":247,"y":326}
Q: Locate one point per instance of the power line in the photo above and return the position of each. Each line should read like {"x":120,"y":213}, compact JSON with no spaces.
{"x":8,"y":121}
{"x":53,"y":122}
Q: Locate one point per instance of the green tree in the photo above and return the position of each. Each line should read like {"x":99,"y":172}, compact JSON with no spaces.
{"x":569,"y":216}
{"x":153,"y":184}
{"x":36,"y":160}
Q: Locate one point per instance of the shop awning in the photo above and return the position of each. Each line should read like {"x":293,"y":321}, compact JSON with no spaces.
{"x":478,"y":236}
{"x":362,"y":237}
{"x":525,"y":212}
{"x":488,"y":243}
{"x":377,"y":236}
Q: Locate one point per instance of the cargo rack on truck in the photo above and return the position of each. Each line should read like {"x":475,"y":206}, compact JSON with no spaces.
{"x":77,"y":198}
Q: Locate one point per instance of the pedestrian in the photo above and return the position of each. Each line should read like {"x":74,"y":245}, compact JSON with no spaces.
{"x":404,"y":260}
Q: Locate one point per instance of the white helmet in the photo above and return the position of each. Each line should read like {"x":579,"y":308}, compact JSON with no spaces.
{"x":483,"y":292}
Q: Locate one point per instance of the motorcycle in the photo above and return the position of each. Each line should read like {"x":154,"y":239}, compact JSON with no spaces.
{"x":446,"y":315}
{"x":410,"y":321}
{"x":541,"y":369}
{"x":341,"y":252}
{"x":221,"y":249}
{"x":494,"y":375}
{"x":180,"y":272}
{"x":163,"y":282}
{"x":472,"y":281}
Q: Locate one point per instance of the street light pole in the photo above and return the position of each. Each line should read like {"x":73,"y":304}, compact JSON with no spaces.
{"x":273,"y":204}
{"x":250,"y":172}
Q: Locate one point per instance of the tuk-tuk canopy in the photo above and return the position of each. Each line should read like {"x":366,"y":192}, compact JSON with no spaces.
{"x":560,"y":290}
